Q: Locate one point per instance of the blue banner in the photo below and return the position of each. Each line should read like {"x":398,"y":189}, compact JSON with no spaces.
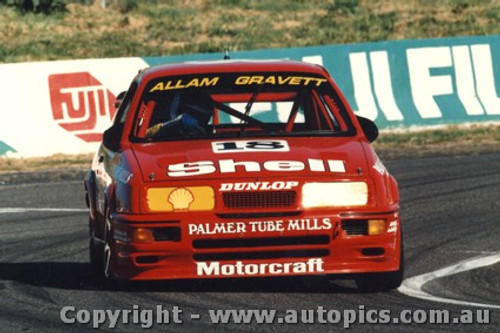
{"x":403,"y":83}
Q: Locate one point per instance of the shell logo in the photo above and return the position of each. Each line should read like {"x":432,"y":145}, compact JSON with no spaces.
{"x":181,"y":198}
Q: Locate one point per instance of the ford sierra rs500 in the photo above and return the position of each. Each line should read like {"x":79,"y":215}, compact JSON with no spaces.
{"x":241,"y":169}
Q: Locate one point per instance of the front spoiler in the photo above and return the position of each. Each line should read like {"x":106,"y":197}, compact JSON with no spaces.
{"x":343,"y":254}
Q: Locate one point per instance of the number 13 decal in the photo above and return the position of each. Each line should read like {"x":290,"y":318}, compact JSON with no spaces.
{"x":241,"y":146}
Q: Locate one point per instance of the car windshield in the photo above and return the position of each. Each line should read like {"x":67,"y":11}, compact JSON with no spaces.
{"x":240,"y":104}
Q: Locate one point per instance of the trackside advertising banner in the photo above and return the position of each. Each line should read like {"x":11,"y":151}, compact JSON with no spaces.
{"x":64,"y":106}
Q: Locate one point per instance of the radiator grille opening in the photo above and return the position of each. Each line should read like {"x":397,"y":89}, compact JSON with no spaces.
{"x":259,"y":199}
{"x":259,"y":242}
{"x":315,"y":253}
{"x":355,"y":227}
{"x":147,"y":259}
{"x":165,"y":234}
{"x":373,"y":251}
{"x":245,"y":215}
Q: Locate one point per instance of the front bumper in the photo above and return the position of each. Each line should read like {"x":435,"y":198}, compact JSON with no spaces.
{"x":305,"y":244}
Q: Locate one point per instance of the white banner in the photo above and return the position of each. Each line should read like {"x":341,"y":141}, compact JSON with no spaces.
{"x":60,"y":106}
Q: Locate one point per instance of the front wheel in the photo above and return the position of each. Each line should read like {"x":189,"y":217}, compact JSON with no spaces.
{"x":107,"y":249}
{"x":96,"y":251}
{"x":372,"y":282}
{"x":100,"y":252}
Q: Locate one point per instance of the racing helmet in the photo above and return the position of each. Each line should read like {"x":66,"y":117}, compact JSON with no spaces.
{"x":195,"y":104}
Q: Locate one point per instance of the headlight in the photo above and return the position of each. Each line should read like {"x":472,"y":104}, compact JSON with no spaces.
{"x":334,"y":194}
{"x":189,"y":198}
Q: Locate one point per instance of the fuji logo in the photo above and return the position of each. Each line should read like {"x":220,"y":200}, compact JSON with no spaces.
{"x":81,"y":104}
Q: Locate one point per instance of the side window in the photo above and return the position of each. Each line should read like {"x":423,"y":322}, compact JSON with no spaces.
{"x":124,"y":108}
{"x":112,"y":136}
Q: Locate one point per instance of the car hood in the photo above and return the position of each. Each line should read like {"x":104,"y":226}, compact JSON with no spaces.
{"x":298,"y":157}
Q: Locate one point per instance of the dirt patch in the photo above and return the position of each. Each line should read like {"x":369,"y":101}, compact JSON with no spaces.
{"x":433,"y":151}
{"x":43,"y":176}
{"x":76,"y":171}
{"x":60,"y":170}
{"x":449,"y":141}
{"x":59,"y":161}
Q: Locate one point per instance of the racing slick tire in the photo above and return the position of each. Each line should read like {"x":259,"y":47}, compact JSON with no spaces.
{"x":100,"y":253}
{"x":373,"y":282}
{"x":96,"y":252}
{"x":107,"y":249}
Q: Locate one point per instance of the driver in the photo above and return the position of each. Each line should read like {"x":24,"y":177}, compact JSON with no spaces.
{"x":190,"y":113}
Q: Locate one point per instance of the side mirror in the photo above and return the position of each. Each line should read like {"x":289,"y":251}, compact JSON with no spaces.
{"x":369,"y":128}
{"x":119,"y":99}
{"x":111,"y":138}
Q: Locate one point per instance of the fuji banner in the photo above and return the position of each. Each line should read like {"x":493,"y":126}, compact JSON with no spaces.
{"x":81,"y":104}
{"x":61,"y":106}
{"x":64,"y":106}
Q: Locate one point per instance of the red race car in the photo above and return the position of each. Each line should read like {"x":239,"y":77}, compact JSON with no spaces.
{"x":241,"y":169}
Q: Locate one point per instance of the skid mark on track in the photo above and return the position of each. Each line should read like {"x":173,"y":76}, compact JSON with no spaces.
{"x":10,"y":210}
{"x":413,"y":286}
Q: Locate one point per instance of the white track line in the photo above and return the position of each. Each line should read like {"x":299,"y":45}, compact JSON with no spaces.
{"x":8,"y":210}
{"x":413,"y":286}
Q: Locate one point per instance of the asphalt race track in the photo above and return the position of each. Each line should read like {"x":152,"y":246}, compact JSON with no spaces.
{"x":450,"y":213}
